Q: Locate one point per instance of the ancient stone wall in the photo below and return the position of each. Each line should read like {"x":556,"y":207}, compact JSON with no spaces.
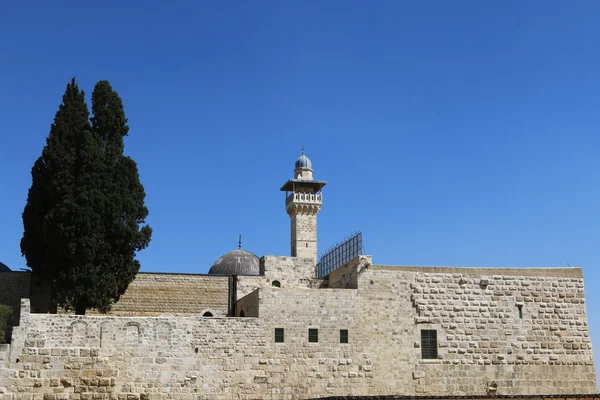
{"x":85,"y":357}
{"x":153,"y":294}
{"x":14,"y":286}
{"x":289,"y":272}
{"x":486,"y":345}
{"x":248,"y":306}
{"x":346,"y":276}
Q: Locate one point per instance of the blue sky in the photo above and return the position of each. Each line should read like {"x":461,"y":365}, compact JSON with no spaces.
{"x":450,"y":132}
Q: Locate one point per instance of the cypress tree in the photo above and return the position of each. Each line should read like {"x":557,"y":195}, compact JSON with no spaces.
{"x":45,"y":239}
{"x":96,"y":218}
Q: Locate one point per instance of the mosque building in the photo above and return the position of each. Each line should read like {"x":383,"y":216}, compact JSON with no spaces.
{"x":299,"y":327}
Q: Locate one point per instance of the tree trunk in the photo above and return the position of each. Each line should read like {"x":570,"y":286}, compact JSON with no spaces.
{"x":81,"y":307}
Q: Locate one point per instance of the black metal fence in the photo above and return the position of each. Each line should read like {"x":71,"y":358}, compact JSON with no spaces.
{"x":340,"y":254}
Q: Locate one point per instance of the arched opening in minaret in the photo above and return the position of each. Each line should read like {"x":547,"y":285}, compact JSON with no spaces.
{"x":275,"y":284}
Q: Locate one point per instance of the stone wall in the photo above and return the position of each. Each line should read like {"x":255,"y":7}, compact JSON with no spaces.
{"x":248,"y":306}
{"x":88,"y":357}
{"x":153,"y":294}
{"x":14,"y":286}
{"x":290,"y":272}
{"x":346,"y":276}
{"x":485,"y":346}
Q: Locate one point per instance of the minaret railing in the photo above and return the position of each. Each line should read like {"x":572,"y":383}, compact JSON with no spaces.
{"x":308,"y":198}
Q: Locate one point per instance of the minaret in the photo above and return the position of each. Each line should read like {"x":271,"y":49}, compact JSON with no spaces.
{"x":302,"y":205}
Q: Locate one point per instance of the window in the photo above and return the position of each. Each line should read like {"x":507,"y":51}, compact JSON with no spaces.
{"x":429,"y":345}
{"x":279,"y":338}
{"x":343,"y":335}
{"x":242,"y":314}
{"x":520,"y":307}
{"x":207,"y":314}
{"x":275,"y":284}
{"x":313,"y":335}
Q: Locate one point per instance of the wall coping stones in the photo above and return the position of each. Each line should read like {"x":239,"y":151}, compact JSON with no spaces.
{"x":558,"y":272}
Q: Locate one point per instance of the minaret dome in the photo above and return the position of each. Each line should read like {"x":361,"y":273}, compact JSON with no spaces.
{"x":303,"y":169}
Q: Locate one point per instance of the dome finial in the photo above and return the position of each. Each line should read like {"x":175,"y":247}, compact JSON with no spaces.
{"x":240,"y":242}
{"x":302,"y":150}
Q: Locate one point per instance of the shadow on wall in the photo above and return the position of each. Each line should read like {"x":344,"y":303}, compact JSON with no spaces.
{"x":5,"y":323}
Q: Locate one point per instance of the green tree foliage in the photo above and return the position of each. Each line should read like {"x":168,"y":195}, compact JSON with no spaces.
{"x":85,"y":209}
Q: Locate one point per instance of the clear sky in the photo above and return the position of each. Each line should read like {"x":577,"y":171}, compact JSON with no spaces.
{"x":450,"y":132}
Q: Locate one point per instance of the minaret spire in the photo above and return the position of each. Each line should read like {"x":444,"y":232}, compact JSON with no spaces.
{"x":303,"y":205}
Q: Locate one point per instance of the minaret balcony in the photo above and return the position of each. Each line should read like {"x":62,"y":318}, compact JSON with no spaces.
{"x":304,"y":198}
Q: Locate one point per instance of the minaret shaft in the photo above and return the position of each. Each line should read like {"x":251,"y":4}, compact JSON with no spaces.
{"x":302,"y":205}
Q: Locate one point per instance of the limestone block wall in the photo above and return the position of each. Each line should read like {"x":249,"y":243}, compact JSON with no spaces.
{"x":248,"y":306}
{"x":295,"y":272}
{"x":153,"y":294}
{"x":346,"y":276}
{"x":486,"y":345}
{"x":290,"y":272}
{"x":59,"y":357}
{"x":14,"y":286}
{"x":327,"y":367}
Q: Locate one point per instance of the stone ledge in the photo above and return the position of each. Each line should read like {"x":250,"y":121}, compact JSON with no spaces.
{"x":557,"y":272}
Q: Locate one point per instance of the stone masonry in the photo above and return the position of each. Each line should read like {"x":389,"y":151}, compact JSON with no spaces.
{"x":284,"y":334}
{"x":486,"y":345}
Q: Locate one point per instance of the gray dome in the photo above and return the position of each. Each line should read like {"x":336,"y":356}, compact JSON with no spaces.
{"x":236,"y":262}
{"x":303,"y":162}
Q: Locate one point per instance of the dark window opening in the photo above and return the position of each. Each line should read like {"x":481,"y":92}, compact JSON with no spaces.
{"x":276,"y":284}
{"x":429,"y":345}
{"x":242,"y":314}
{"x":313,"y":335}
{"x":520,"y":307}
{"x":343,"y":335}
{"x":279,"y":335}
{"x":207,"y":314}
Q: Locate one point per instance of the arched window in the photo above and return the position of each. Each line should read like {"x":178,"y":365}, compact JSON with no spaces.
{"x":242,"y":314}
{"x":207,"y":314}
{"x":275,"y":284}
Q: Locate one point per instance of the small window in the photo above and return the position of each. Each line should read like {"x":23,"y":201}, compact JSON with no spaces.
{"x":279,"y":338}
{"x":313,"y":335}
{"x":242,"y":314}
{"x":275,"y":284}
{"x":520,"y":308}
{"x":207,"y":314}
{"x":429,"y":345}
{"x":343,"y":335}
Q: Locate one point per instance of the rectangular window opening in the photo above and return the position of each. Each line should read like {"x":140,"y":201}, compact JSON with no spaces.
{"x":429,"y":345}
{"x":313,"y":335}
{"x":343,"y":335}
{"x":520,"y":307}
{"x":279,"y":338}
